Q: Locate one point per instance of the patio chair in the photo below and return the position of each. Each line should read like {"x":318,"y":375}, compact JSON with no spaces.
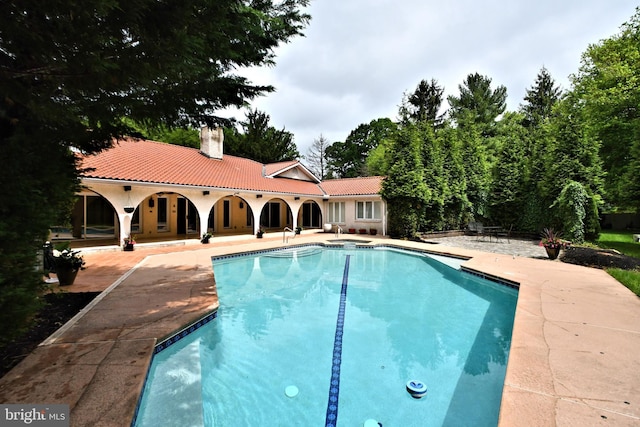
{"x":479,"y":230}
{"x":472,"y":227}
{"x":505,"y":233}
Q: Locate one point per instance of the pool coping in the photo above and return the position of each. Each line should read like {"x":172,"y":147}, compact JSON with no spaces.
{"x":572,"y":361}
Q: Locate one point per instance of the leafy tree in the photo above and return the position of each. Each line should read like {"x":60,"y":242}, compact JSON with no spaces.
{"x":457,"y":207}
{"x":404,"y":186}
{"x":316,"y":157}
{"x":540,"y":99}
{"x":177,"y":136}
{"x":379,"y":159}
{"x":478,"y":104}
{"x":347,"y":159}
{"x":573,"y":156}
{"x":425,"y":102}
{"x":507,"y":196}
{"x":69,"y":73}
{"x":260,"y":141}
{"x":435,"y":178}
{"x":608,"y":84}
{"x":477,"y":170}
{"x":572,"y":205}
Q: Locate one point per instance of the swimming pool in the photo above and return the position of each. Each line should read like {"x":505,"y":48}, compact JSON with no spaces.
{"x":325,"y":336}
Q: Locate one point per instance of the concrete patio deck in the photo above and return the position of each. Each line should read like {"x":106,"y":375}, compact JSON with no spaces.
{"x":573,"y":359}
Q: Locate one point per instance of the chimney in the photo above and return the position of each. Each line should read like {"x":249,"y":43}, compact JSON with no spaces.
{"x":211,"y":142}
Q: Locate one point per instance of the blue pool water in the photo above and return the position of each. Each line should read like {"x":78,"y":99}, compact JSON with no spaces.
{"x":348,"y":328}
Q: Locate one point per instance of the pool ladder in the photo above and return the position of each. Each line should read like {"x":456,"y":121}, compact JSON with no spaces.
{"x":285,"y":238}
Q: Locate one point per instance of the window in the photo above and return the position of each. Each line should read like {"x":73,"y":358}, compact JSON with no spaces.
{"x":336,"y":212}
{"x":226,"y":214}
{"x":162,"y":214}
{"x":311,"y":215}
{"x":368,"y":210}
{"x":270,"y":215}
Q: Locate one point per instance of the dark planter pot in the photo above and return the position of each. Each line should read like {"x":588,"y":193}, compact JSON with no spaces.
{"x":552,"y":253}
{"x":363,"y":231}
{"x":127,"y":247}
{"x":205,"y":241}
{"x":352,"y":231}
{"x":66,"y":275}
{"x":259,"y":235}
{"x":373,"y":231}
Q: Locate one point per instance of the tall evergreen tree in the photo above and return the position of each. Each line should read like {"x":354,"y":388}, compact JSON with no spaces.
{"x":69,"y":73}
{"x":478,"y":104}
{"x":435,"y":178}
{"x":507,"y":197}
{"x":573,"y":157}
{"x":260,"y":141}
{"x":457,"y":208}
{"x":404,"y":186}
{"x":425,"y":102}
{"x":540,"y":99}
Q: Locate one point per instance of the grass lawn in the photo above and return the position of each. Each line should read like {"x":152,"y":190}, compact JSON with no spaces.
{"x":623,"y":242}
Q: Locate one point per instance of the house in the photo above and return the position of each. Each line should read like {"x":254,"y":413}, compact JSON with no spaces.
{"x":161,"y":191}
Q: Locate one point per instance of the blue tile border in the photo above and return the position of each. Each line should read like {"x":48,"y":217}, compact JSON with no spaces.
{"x":492,"y":278}
{"x":334,"y":385}
{"x":166,"y":343}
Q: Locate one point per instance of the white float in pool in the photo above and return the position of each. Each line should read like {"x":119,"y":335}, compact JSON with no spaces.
{"x":291,"y":391}
{"x":416,"y":389}
{"x":371,"y":423}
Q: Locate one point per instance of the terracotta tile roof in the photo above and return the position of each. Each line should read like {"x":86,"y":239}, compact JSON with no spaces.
{"x":369,"y":185}
{"x":156,"y":162}
{"x":274,"y":168}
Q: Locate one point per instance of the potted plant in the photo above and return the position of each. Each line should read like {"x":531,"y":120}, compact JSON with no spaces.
{"x":260,"y":233}
{"x":128,"y":242}
{"x":373,"y":231}
{"x":553,"y":242}
{"x":298,"y":230}
{"x":67,"y":264}
{"x":352,"y":231}
{"x":363,"y":231}
{"x":205,"y":237}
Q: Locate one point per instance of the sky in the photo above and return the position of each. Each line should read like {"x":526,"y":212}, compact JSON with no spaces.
{"x":359,"y":57}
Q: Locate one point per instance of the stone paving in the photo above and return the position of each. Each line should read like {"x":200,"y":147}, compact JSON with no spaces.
{"x":516,"y":247}
{"x":573,"y":358}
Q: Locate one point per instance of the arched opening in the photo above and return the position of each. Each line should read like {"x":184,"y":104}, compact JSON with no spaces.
{"x":165,"y":215}
{"x":230,"y":215}
{"x":92,"y":218}
{"x":275,"y":215}
{"x":310,"y":215}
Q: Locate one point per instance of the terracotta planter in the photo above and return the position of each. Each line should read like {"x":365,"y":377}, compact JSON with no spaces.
{"x":352,"y":231}
{"x":363,"y":231}
{"x":552,"y":253}
{"x":66,"y":276}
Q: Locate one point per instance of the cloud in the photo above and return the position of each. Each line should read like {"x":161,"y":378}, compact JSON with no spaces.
{"x":359,"y":57}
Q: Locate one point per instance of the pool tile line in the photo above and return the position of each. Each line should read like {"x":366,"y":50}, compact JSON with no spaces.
{"x":168,"y":342}
{"x":334,"y":387}
{"x":187,"y":330}
{"x":492,"y":278}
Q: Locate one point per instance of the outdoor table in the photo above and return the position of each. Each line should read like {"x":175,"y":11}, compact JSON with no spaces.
{"x":492,"y":230}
